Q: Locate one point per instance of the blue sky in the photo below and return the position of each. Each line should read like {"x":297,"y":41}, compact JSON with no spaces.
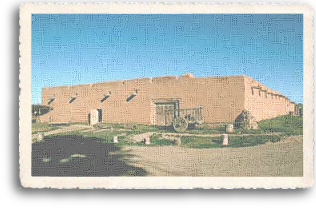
{"x":86,"y":48}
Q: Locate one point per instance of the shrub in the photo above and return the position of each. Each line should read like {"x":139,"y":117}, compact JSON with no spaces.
{"x":157,"y":139}
{"x":252,"y":140}
{"x":288,"y":124}
{"x":201,"y":142}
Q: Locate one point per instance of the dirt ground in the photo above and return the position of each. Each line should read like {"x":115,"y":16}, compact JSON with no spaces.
{"x":284,"y":158}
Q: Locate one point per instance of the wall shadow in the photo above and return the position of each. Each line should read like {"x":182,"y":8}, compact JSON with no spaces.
{"x":73,"y":155}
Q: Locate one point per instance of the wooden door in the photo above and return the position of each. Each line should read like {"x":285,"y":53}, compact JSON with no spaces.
{"x":94,"y":117}
{"x":165,"y":113}
{"x":100,"y":115}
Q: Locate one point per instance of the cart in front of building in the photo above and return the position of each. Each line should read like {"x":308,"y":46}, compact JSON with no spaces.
{"x":180,"y":119}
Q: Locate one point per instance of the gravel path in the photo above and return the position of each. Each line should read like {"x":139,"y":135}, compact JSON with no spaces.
{"x":284,"y":158}
{"x":67,"y":129}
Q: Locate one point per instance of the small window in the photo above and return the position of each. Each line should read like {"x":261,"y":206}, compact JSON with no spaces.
{"x":132,"y":95}
{"x":72,"y":99}
{"x":50,"y":101}
{"x":104,"y":98}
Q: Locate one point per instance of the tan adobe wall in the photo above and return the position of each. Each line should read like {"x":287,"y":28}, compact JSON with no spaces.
{"x":265,"y":103}
{"x":222,"y":98}
{"x":115,"y":107}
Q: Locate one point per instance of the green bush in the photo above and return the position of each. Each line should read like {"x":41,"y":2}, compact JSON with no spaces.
{"x":247,"y":131}
{"x":163,"y":142}
{"x":201,"y":142}
{"x":288,"y":124}
{"x":157,"y":140}
{"x":234,"y":141}
{"x":252,"y":140}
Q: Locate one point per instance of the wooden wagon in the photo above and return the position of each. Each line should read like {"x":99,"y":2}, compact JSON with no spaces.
{"x":180,"y":119}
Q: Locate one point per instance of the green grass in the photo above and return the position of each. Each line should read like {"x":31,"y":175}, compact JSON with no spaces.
{"x":252,"y":140}
{"x":234,"y":141}
{"x":248,"y":131}
{"x":204,"y":129}
{"x":156,"y":139}
{"x":200,"y":142}
{"x":186,"y":141}
{"x":142,"y":128}
{"x":109,"y":125}
{"x":137,"y":128}
{"x":107,"y":137}
{"x":284,"y":125}
{"x":288,"y":124}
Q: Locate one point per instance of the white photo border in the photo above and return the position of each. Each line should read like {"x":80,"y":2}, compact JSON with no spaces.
{"x":26,"y":11}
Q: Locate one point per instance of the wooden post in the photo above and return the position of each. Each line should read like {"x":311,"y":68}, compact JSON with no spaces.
{"x":115,"y":139}
{"x":225,"y":139}
{"x":147,"y":141}
{"x":40,"y":137}
{"x":229,"y":128}
{"x":177,"y":141}
{"x":94,"y":117}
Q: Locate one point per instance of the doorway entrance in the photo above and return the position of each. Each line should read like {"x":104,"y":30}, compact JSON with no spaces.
{"x":95,"y":116}
{"x":166,"y":112}
{"x":99,"y":115}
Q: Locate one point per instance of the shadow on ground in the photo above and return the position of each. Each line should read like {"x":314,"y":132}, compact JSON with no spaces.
{"x":74,"y":155}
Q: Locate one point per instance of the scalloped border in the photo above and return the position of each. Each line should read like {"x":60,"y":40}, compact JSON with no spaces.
{"x":162,"y":182}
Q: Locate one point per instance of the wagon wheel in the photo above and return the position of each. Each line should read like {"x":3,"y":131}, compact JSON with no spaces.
{"x":180,"y":124}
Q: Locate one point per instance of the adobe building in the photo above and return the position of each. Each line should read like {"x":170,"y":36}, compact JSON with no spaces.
{"x":145,"y":100}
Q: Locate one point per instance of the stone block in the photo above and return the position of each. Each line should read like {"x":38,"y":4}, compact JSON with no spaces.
{"x":115,"y":139}
{"x":230,"y":128}
{"x":225,"y":139}
{"x":147,"y":140}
